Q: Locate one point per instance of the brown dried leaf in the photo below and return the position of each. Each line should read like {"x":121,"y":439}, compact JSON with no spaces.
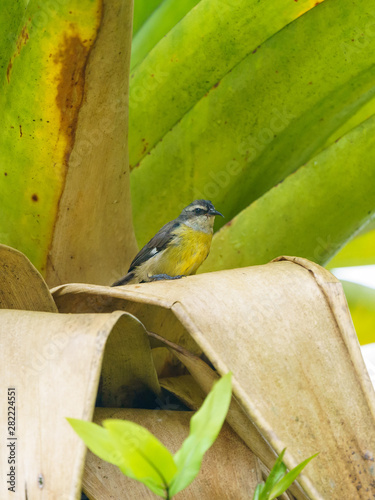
{"x":193,"y":392}
{"x":285,"y":332}
{"x":54,"y":362}
{"x":21,"y":285}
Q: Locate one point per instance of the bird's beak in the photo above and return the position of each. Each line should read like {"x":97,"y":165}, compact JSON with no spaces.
{"x":212,"y":211}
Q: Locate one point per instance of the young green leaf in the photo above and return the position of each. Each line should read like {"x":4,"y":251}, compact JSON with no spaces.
{"x":96,"y":439}
{"x":205,"y":426}
{"x":137,"y":453}
{"x":258,"y":491}
{"x":276,"y":484}
{"x":144,"y":457}
{"x":286,"y":481}
{"x":277,"y":472}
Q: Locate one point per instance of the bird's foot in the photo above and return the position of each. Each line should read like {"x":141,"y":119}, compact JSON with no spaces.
{"x":160,"y":277}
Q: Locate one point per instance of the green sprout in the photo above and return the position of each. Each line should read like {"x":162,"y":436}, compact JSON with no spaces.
{"x":277,"y":482}
{"x":141,"y":456}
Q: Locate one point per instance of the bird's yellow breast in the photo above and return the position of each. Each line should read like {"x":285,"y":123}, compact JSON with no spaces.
{"x":186,"y":252}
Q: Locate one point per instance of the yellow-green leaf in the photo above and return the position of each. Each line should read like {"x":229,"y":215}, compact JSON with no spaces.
{"x":142,"y":10}
{"x":143,"y":456}
{"x":158,"y":25}
{"x":230,"y":130}
{"x":63,"y":138}
{"x":361,"y":300}
{"x":358,"y":252}
{"x":97,"y":439}
{"x":311,"y":214}
{"x":205,"y":426}
{"x":39,"y":107}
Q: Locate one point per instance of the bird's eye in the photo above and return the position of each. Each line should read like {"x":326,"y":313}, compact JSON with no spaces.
{"x":199,"y":211}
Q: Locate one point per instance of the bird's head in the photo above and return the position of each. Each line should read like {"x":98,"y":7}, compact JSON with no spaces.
{"x":200,"y":215}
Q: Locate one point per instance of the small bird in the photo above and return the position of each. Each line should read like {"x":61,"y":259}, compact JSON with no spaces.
{"x":178,"y":249}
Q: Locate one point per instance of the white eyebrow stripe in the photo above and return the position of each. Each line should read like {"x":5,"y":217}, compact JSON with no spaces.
{"x":198,"y":206}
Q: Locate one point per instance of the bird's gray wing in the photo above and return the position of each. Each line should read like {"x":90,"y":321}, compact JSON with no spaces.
{"x":156,"y":244}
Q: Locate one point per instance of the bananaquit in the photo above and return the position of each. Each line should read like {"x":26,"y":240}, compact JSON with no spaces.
{"x":178,"y":249}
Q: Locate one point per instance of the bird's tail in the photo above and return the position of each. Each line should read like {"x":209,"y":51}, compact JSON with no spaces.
{"x":125,"y":280}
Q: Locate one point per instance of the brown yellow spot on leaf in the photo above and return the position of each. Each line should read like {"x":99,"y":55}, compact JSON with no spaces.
{"x":72,"y":58}
{"x":21,"y":42}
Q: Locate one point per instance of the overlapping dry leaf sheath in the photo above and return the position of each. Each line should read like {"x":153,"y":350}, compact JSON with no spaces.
{"x":285,"y":332}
